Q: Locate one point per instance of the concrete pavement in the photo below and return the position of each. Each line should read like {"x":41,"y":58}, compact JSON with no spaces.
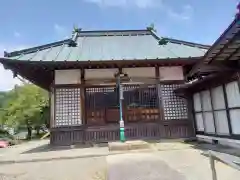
{"x":164,"y":161}
{"x":184,"y":164}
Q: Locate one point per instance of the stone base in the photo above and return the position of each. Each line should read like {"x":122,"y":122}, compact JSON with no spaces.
{"x":128,"y":145}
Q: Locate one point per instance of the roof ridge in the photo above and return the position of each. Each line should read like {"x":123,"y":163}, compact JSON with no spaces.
{"x":204,"y":46}
{"x":35,"y":48}
{"x":172,"y":40}
{"x":114,"y":30}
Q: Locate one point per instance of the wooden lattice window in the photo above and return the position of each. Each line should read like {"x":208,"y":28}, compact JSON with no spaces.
{"x":141,"y":103}
{"x":68,"y":107}
{"x":174,"y":107}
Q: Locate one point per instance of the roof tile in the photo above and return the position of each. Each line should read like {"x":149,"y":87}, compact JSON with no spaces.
{"x":112,"y":45}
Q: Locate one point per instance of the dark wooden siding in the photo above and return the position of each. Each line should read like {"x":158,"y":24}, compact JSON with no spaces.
{"x":167,"y":129}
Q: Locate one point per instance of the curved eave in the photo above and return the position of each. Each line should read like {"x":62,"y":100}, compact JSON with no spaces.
{"x":41,"y":73}
{"x":228,"y":36}
{"x":226,"y":47}
{"x":105,"y":63}
{"x":207,"y":82}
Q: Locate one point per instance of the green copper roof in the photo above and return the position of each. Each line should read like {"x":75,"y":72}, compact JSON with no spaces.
{"x":111,"y":45}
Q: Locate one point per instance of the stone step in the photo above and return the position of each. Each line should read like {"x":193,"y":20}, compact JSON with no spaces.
{"x":128,"y":145}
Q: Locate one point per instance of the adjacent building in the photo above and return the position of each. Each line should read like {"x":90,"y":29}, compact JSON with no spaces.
{"x":214,"y":90}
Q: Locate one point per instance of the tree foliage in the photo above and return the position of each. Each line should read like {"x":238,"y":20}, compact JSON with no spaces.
{"x":24,"y":107}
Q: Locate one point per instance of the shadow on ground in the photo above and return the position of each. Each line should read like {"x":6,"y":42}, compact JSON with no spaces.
{"x":215,"y":147}
{"x":48,"y":147}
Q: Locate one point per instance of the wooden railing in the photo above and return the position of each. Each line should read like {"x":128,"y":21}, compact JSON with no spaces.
{"x":230,"y":160}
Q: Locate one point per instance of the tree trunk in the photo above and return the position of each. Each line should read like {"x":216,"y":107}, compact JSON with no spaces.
{"x":29,"y":130}
{"x":37,"y":130}
{"x":29,"y":135}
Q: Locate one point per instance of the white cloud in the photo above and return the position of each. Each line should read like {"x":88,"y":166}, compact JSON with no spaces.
{"x":7,"y":82}
{"x":127,"y":3}
{"x":60,"y":30}
{"x":16,"y":34}
{"x":186,"y":13}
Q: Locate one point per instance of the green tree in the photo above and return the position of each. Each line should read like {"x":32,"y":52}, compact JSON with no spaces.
{"x":26,"y":107}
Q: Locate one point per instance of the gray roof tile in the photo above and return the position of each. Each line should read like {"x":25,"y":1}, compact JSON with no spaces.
{"x":111,"y":45}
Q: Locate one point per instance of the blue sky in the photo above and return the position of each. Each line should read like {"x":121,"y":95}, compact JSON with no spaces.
{"x":28,"y":23}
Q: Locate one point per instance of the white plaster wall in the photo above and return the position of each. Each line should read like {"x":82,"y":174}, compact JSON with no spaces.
{"x":235,"y":120}
{"x":146,"y":72}
{"x":72,"y":76}
{"x":197,"y":102}
{"x":199,"y":121}
{"x":171,"y":73}
{"x":91,"y":74}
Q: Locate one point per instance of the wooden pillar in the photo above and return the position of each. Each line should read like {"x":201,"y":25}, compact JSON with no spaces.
{"x":83,"y":92}
{"x":191,"y":113}
{"x":52,"y":106}
{"x":160,"y":100}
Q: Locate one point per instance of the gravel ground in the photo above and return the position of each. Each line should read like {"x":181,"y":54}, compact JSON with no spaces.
{"x":84,"y":169}
{"x":184,"y":164}
{"x":37,"y":161}
{"x":141,"y":166}
{"x":166,"y":161}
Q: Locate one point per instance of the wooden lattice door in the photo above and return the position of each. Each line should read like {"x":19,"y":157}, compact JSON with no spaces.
{"x":141,"y":103}
{"x":101,"y":105}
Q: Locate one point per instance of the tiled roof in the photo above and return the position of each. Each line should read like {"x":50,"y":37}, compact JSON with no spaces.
{"x":226,"y":47}
{"x":111,"y":45}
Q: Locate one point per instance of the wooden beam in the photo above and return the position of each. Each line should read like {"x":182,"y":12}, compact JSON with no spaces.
{"x":217,"y":67}
{"x":191,"y":112}
{"x":83,"y":99}
{"x":235,"y":36}
{"x":232,"y":54}
{"x":161,"y":106}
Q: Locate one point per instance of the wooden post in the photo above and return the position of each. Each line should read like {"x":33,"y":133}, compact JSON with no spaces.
{"x":82,"y":94}
{"x":159,"y":92}
{"x":191,"y":112}
{"x":52,"y":102}
{"x":213,"y":168}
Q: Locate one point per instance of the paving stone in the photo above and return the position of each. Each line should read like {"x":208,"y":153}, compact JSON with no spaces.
{"x":128,"y":145}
